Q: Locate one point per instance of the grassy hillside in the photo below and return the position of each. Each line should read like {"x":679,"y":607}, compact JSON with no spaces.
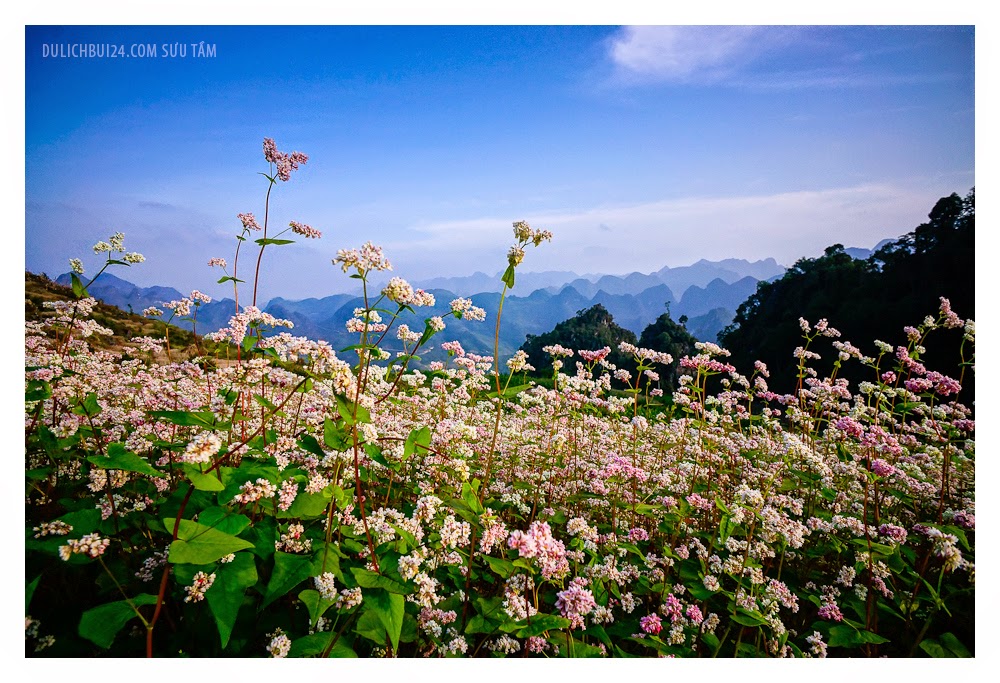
{"x":183,"y":344}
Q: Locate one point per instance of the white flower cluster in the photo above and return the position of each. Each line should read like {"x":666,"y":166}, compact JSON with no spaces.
{"x":91,"y":544}
{"x":464,"y":310}
{"x":196,"y":591}
{"x":202,"y":448}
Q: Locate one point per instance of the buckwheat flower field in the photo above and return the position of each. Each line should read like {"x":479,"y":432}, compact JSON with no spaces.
{"x":277,"y":497}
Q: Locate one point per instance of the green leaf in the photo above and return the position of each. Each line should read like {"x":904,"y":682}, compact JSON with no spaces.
{"x":79,"y":291}
{"x":370,"y":626}
{"x":264,"y":241}
{"x":726,"y":526}
{"x":418,"y":437}
{"x":500,"y":566}
{"x":873,"y":638}
{"x":200,"y":544}
{"x":540,"y":623}
{"x":101,"y":624}
{"x":227,"y":278}
{"x":37,"y":390}
{"x":202,"y":482}
{"x":949,"y":641}
{"x":479,"y":624}
{"x":335,"y":436}
{"x":879,"y":548}
{"x":342,"y":649}
{"x":308,"y":505}
{"x":934,"y":648}
{"x":844,"y":635}
{"x":89,"y":406}
{"x":315,"y":603}
{"x":598,"y":632}
{"x":328,"y":562}
{"x":508,"y":276}
{"x":84,"y":521}
{"x":959,"y":533}
{"x":289,"y":571}
{"x":226,"y":594}
{"x":388,"y":607}
{"x":582,"y":649}
{"x":408,"y":539}
{"x":29,"y":592}
{"x":309,"y":646}
{"x":375,"y":453}
{"x":263,"y":401}
{"x":315,"y":644}
{"x":348,"y":409}
{"x":309,"y":444}
{"x":744,"y":620}
{"x":223,"y":520}
{"x":471,"y":498}
{"x":120,"y":459}
{"x":509,"y":392}
{"x":249,"y":470}
{"x":369,"y":579}
{"x":263,"y":534}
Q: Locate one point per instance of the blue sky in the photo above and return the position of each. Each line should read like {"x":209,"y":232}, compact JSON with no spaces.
{"x":638,"y":147}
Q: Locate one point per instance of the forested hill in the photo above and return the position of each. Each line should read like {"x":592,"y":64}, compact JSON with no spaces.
{"x":899,"y":285}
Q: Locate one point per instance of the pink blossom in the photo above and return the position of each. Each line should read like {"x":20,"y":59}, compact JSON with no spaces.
{"x":249,"y":222}
{"x":651,"y":624}
{"x":575,"y":602}
{"x":304,"y":230}
{"x":830,"y":612}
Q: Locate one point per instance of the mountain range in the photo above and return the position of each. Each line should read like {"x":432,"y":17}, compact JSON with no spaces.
{"x":707,"y":293}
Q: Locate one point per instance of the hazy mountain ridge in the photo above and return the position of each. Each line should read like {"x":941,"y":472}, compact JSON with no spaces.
{"x":678,"y":279}
{"x":707,"y":292}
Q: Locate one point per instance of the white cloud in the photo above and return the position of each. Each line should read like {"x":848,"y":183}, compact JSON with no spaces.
{"x":675,"y":232}
{"x":687,"y":53}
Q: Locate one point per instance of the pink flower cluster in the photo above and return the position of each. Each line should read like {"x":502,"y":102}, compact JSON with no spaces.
{"x":575,"y":602}
{"x":651,"y":624}
{"x":249,"y":223}
{"x":538,"y":544}
{"x":830,"y":612}
{"x":595,"y":356}
{"x":286,"y":163}
{"x":672,"y":608}
{"x":368,"y":258}
{"x":882,"y":468}
{"x":304,"y":230}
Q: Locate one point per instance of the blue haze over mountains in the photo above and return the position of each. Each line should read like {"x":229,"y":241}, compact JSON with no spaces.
{"x":707,"y":292}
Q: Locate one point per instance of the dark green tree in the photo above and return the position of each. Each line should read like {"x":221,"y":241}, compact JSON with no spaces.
{"x":870,"y":299}
{"x":591,"y":329}
{"x":664,"y":334}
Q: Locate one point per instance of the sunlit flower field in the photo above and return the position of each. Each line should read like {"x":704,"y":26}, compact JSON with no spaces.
{"x":277,"y":497}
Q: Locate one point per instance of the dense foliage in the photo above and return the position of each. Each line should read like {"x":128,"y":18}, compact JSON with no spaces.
{"x":665,"y":335}
{"x":301,"y":501}
{"x":865,"y":299}
{"x":590,"y":328}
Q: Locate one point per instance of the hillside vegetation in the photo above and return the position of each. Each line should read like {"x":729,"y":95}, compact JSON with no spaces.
{"x":868,"y":299}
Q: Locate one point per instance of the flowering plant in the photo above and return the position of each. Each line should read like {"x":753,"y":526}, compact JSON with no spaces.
{"x":305,"y":501}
